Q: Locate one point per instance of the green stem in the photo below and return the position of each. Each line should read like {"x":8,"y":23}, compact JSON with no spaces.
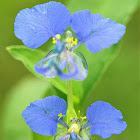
{"x":69,"y":95}
{"x":70,"y":112}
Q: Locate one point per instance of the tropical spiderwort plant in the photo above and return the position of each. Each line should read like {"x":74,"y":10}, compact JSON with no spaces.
{"x":103,"y":119}
{"x":37,"y":25}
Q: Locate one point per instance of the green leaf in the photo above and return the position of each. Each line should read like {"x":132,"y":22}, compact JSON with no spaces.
{"x":29,"y":58}
{"x":26,"y":91}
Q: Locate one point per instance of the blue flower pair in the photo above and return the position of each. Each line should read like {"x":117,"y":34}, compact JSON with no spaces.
{"x":43,"y":115}
{"x":37,"y":25}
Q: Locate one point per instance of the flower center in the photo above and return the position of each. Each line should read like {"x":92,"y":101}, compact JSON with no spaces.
{"x":74,"y":126}
{"x":69,"y":40}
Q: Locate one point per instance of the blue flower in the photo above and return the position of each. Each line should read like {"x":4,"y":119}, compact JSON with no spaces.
{"x":37,"y":25}
{"x":103,"y":119}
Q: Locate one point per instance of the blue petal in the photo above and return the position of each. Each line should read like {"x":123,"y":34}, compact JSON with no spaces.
{"x":36,"y":25}
{"x":104,"y":120}
{"x":82,"y":70}
{"x":42,"y":115}
{"x":96,"y":31}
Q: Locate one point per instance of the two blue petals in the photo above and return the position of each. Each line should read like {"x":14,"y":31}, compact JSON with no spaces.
{"x":36,"y":25}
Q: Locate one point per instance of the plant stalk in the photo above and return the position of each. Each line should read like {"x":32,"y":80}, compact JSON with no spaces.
{"x":69,"y":94}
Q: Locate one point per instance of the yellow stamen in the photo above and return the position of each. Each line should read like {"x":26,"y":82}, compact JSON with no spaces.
{"x":58,"y":36}
{"x":83,"y":118}
{"x":60,"y":116}
{"x":69,"y":130}
{"x":76,"y":131}
{"x":54,"y":41}
{"x":74,"y":42}
{"x":72,"y":39}
{"x":68,"y":40}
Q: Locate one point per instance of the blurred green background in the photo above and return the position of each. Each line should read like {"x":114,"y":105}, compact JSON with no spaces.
{"x":119,"y":84}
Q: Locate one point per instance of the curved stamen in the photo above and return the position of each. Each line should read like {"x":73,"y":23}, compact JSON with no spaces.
{"x":41,"y":65}
{"x":41,"y":69}
{"x":78,"y":44}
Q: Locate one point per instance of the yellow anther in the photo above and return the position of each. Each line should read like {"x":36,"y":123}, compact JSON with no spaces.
{"x":83,"y":118}
{"x":68,"y":40}
{"x":76,"y":131}
{"x":58,"y":36}
{"x":60,"y":116}
{"x":69,"y":130}
{"x":74,"y":42}
{"x":72,"y":39}
{"x":54,"y":41}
